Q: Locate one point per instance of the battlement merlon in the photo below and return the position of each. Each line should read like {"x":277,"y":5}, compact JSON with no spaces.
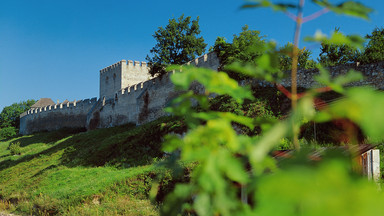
{"x":209,"y":60}
{"x":76,"y":104}
{"x":112,"y":67}
{"x":129,"y":63}
{"x":120,"y":75}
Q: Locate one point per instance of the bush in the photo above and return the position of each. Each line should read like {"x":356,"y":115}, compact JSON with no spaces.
{"x":7,"y":132}
{"x":15,"y":148}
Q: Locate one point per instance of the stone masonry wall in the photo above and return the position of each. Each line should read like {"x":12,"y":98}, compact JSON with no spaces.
{"x":373,"y":75}
{"x":143,"y":102}
{"x":62,"y":115}
{"x":121,"y":75}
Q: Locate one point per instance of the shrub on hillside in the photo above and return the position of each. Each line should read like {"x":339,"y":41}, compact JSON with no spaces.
{"x":7,"y":132}
{"x":15,"y":148}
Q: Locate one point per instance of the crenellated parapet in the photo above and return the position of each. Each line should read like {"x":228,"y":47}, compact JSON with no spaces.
{"x":121,"y":75}
{"x":62,"y":106}
{"x":138,"y":88}
{"x":135,"y":64}
{"x":209,"y":60}
{"x":111,"y":67}
{"x":60,"y":115}
{"x":127,"y":63}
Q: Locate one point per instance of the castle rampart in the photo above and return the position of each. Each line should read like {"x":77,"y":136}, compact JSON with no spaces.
{"x":209,"y":60}
{"x":130,"y":97}
{"x":62,"y":115}
{"x":373,"y":75}
{"x":142,"y":101}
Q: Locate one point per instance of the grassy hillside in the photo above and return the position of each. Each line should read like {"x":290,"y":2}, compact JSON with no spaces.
{"x":110,"y":171}
{"x":101,"y":172}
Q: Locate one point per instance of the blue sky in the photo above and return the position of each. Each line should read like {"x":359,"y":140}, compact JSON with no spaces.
{"x":55,"y":49}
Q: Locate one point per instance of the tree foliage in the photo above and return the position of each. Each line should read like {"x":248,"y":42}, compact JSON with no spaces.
{"x":245,"y":48}
{"x":304,"y":58}
{"x":177,"y":43}
{"x":10,"y":115}
{"x":374,"y":50}
{"x":249,"y":45}
{"x":337,"y":54}
{"x":7,"y":132}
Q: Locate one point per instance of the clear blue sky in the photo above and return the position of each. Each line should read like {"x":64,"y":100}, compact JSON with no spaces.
{"x":55,"y":49}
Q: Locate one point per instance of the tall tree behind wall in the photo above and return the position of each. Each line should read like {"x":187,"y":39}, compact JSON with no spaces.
{"x":177,"y":43}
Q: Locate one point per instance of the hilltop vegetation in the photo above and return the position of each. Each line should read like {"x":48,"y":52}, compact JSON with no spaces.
{"x":10,"y":118}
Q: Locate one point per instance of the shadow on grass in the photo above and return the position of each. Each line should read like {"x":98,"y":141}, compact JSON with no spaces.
{"x":26,"y":158}
{"x":44,"y":170}
{"x":3,"y":156}
{"x":82,"y":142}
{"x":9,"y":138}
{"x":124,"y":146}
{"x":48,"y":137}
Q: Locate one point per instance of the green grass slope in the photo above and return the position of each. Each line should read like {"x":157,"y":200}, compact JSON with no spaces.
{"x":101,"y":172}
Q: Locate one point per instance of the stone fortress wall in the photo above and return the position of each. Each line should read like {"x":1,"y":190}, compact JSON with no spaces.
{"x":373,"y":75}
{"x":127,"y":95}
{"x":53,"y":117}
{"x":141,"y":102}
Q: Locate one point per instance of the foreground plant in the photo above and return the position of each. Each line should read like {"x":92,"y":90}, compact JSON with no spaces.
{"x":236,"y":175}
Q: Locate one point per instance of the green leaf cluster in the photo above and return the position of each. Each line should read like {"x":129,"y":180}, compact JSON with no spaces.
{"x":282,"y":6}
{"x":230,"y":163}
{"x":350,"y":8}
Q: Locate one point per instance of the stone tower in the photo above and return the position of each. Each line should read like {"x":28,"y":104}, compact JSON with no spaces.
{"x":121,"y":75}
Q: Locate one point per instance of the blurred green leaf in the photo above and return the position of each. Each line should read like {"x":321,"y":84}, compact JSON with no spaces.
{"x":232,"y":167}
{"x":213,"y":82}
{"x":351,"y":76}
{"x":266,"y":142}
{"x":350,"y":8}
{"x":266,"y":3}
{"x":250,"y":70}
{"x":203,"y":204}
{"x":337,"y":38}
{"x":325,"y":190}
{"x":362,"y":105}
{"x":249,"y":122}
{"x":172,"y":143}
{"x":338,"y":82}
{"x":174,"y":204}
